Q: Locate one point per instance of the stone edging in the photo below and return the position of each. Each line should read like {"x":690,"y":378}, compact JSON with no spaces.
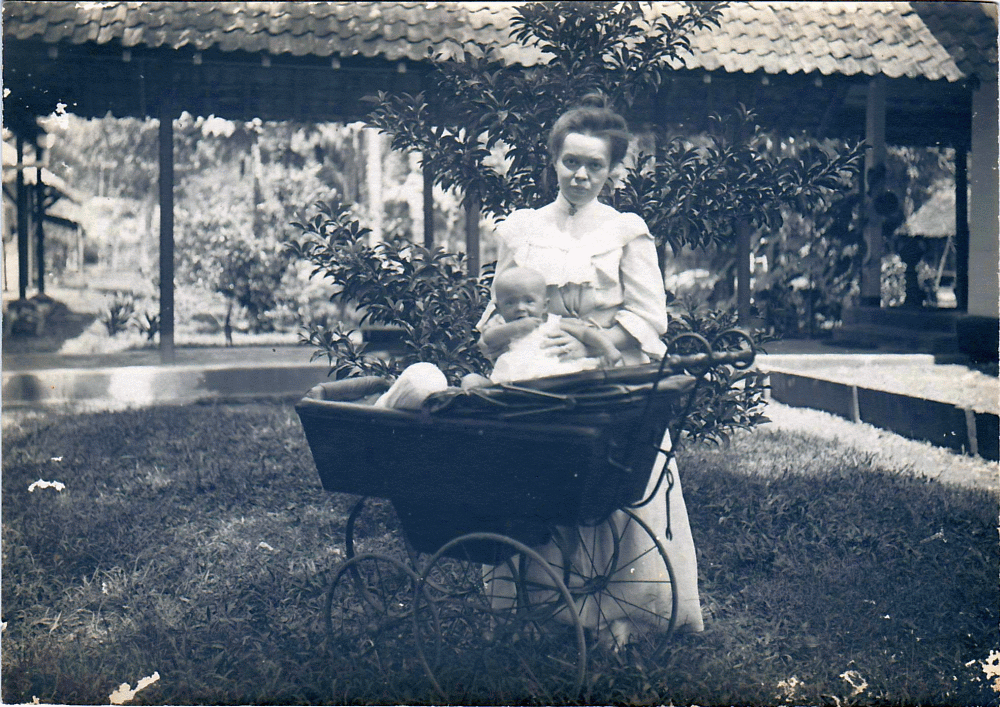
{"x":137,"y":386}
{"x":942,"y":424}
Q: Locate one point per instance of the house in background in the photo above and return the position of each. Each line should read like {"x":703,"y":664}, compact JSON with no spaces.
{"x":894,"y":73}
{"x":921,"y":74}
{"x":50,"y":202}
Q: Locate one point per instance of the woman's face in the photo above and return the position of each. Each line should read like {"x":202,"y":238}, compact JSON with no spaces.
{"x":582,"y":167}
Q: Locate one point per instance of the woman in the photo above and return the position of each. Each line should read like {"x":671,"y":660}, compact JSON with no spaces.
{"x":601,"y":267}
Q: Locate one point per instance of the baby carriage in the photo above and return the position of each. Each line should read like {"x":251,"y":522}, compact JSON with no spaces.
{"x":477,"y":481}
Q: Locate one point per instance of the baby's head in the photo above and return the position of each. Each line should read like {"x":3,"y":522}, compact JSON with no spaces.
{"x":520,"y":292}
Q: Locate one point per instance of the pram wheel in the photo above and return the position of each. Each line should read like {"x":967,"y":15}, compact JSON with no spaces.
{"x":612,"y":582}
{"x":373,"y":527}
{"x":507,"y":631}
{"x":369,"y":609}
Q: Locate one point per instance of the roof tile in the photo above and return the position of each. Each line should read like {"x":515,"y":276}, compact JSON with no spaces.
{"x":106,"y":32}
{"x":131,"y":36}
{"x":229,"y":41}
{"x":56,"y":31}
{"x":929,"y":39}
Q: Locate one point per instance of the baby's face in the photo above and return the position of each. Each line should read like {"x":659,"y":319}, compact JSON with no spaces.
{"x":518,"y":302}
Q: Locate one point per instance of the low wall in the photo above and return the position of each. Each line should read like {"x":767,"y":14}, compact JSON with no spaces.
{"x":135,"y":386}
{"x":942,"y":424}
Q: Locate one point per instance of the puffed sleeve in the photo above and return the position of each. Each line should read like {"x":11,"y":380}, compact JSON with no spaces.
{"x":644,"y":312}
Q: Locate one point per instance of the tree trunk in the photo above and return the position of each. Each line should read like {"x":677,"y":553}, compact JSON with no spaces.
{"x":743,"y":234}
{"x":472,"y":232}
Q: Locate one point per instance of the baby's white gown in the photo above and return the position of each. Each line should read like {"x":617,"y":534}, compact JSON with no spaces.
{"x":526,"y":359}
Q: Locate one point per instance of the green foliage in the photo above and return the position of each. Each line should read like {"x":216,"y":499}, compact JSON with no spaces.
{"x":727,"y":398}
{"x":251,"y":277}
{"x":426,"y":294}
{"x":483,"y":126}
{"x":118,"y":314}
{"x":238,"y":185}
{"x":148,"y":324}
{"x":107,"y":156}
{"x":813,"y":267}
{"x":482,"y":129}
{"x":694,"y":194}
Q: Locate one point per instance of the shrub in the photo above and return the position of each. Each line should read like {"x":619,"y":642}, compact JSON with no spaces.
{"x":481,"y":130}
{"x":118,"y":314}
{"x":727,"y":398}
{"x":425,"y":293}
{"x":149,"y":325}
{"x":251,"y":275}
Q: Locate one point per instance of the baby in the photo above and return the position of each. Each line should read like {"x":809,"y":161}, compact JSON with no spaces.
{"x":521,"y":301}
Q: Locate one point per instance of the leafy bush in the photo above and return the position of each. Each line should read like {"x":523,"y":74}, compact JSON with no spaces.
{"x":118,"y":314}
{"x":148,"y":324}
{"x":425,"y":293}
{"x":727,"y":398}
{"x":251,"y":274}
{"x":481,"y":129}
{"x":813,"y":268}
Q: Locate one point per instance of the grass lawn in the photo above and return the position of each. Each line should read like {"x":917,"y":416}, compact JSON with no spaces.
{"x":196,"y":542}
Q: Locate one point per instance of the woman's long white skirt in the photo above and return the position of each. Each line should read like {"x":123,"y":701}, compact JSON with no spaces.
{"x":639,"y":595}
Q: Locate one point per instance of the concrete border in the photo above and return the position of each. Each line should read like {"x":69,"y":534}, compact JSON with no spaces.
{"x":135,"y":386}
{"x":941,"y":424}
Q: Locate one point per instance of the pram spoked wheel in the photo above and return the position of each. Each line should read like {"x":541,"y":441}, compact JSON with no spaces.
{"x":604,"y":585}
{"x":374,"y":527}
{"x":369,"y":609}
{"x":507,"y":631}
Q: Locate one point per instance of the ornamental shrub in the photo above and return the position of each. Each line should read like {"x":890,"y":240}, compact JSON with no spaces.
{"x":424,"y":293}
{"x":481,"y":129}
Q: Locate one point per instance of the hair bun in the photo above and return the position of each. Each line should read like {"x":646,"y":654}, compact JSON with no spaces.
{"x":594,"y":99}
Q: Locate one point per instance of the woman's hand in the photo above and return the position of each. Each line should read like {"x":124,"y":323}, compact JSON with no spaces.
{"x":565,"y":346}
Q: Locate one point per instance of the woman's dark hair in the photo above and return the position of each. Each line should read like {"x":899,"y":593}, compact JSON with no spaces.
{"x":592,"y":117}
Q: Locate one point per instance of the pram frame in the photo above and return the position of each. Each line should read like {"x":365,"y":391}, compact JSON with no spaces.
{"x":577,"y":426}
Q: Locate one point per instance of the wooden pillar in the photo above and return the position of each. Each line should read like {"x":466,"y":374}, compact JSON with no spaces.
{"x":39,"y":220}
{"x":743,"y":234}
{"x":22,"y":224}
{"x":166,"y":188}
{"x":962,"y":228}
{"x":871,"y":267}
{"x":472,"y":232}
{"x":428,"y":205}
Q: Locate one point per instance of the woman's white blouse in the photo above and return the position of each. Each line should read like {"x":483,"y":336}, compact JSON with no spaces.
{"x":600,"y":266}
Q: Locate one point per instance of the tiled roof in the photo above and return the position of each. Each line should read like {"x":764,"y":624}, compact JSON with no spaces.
{"x":933,"y":40}
{"x":936,"y":217}
{"x":392,"y":30}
